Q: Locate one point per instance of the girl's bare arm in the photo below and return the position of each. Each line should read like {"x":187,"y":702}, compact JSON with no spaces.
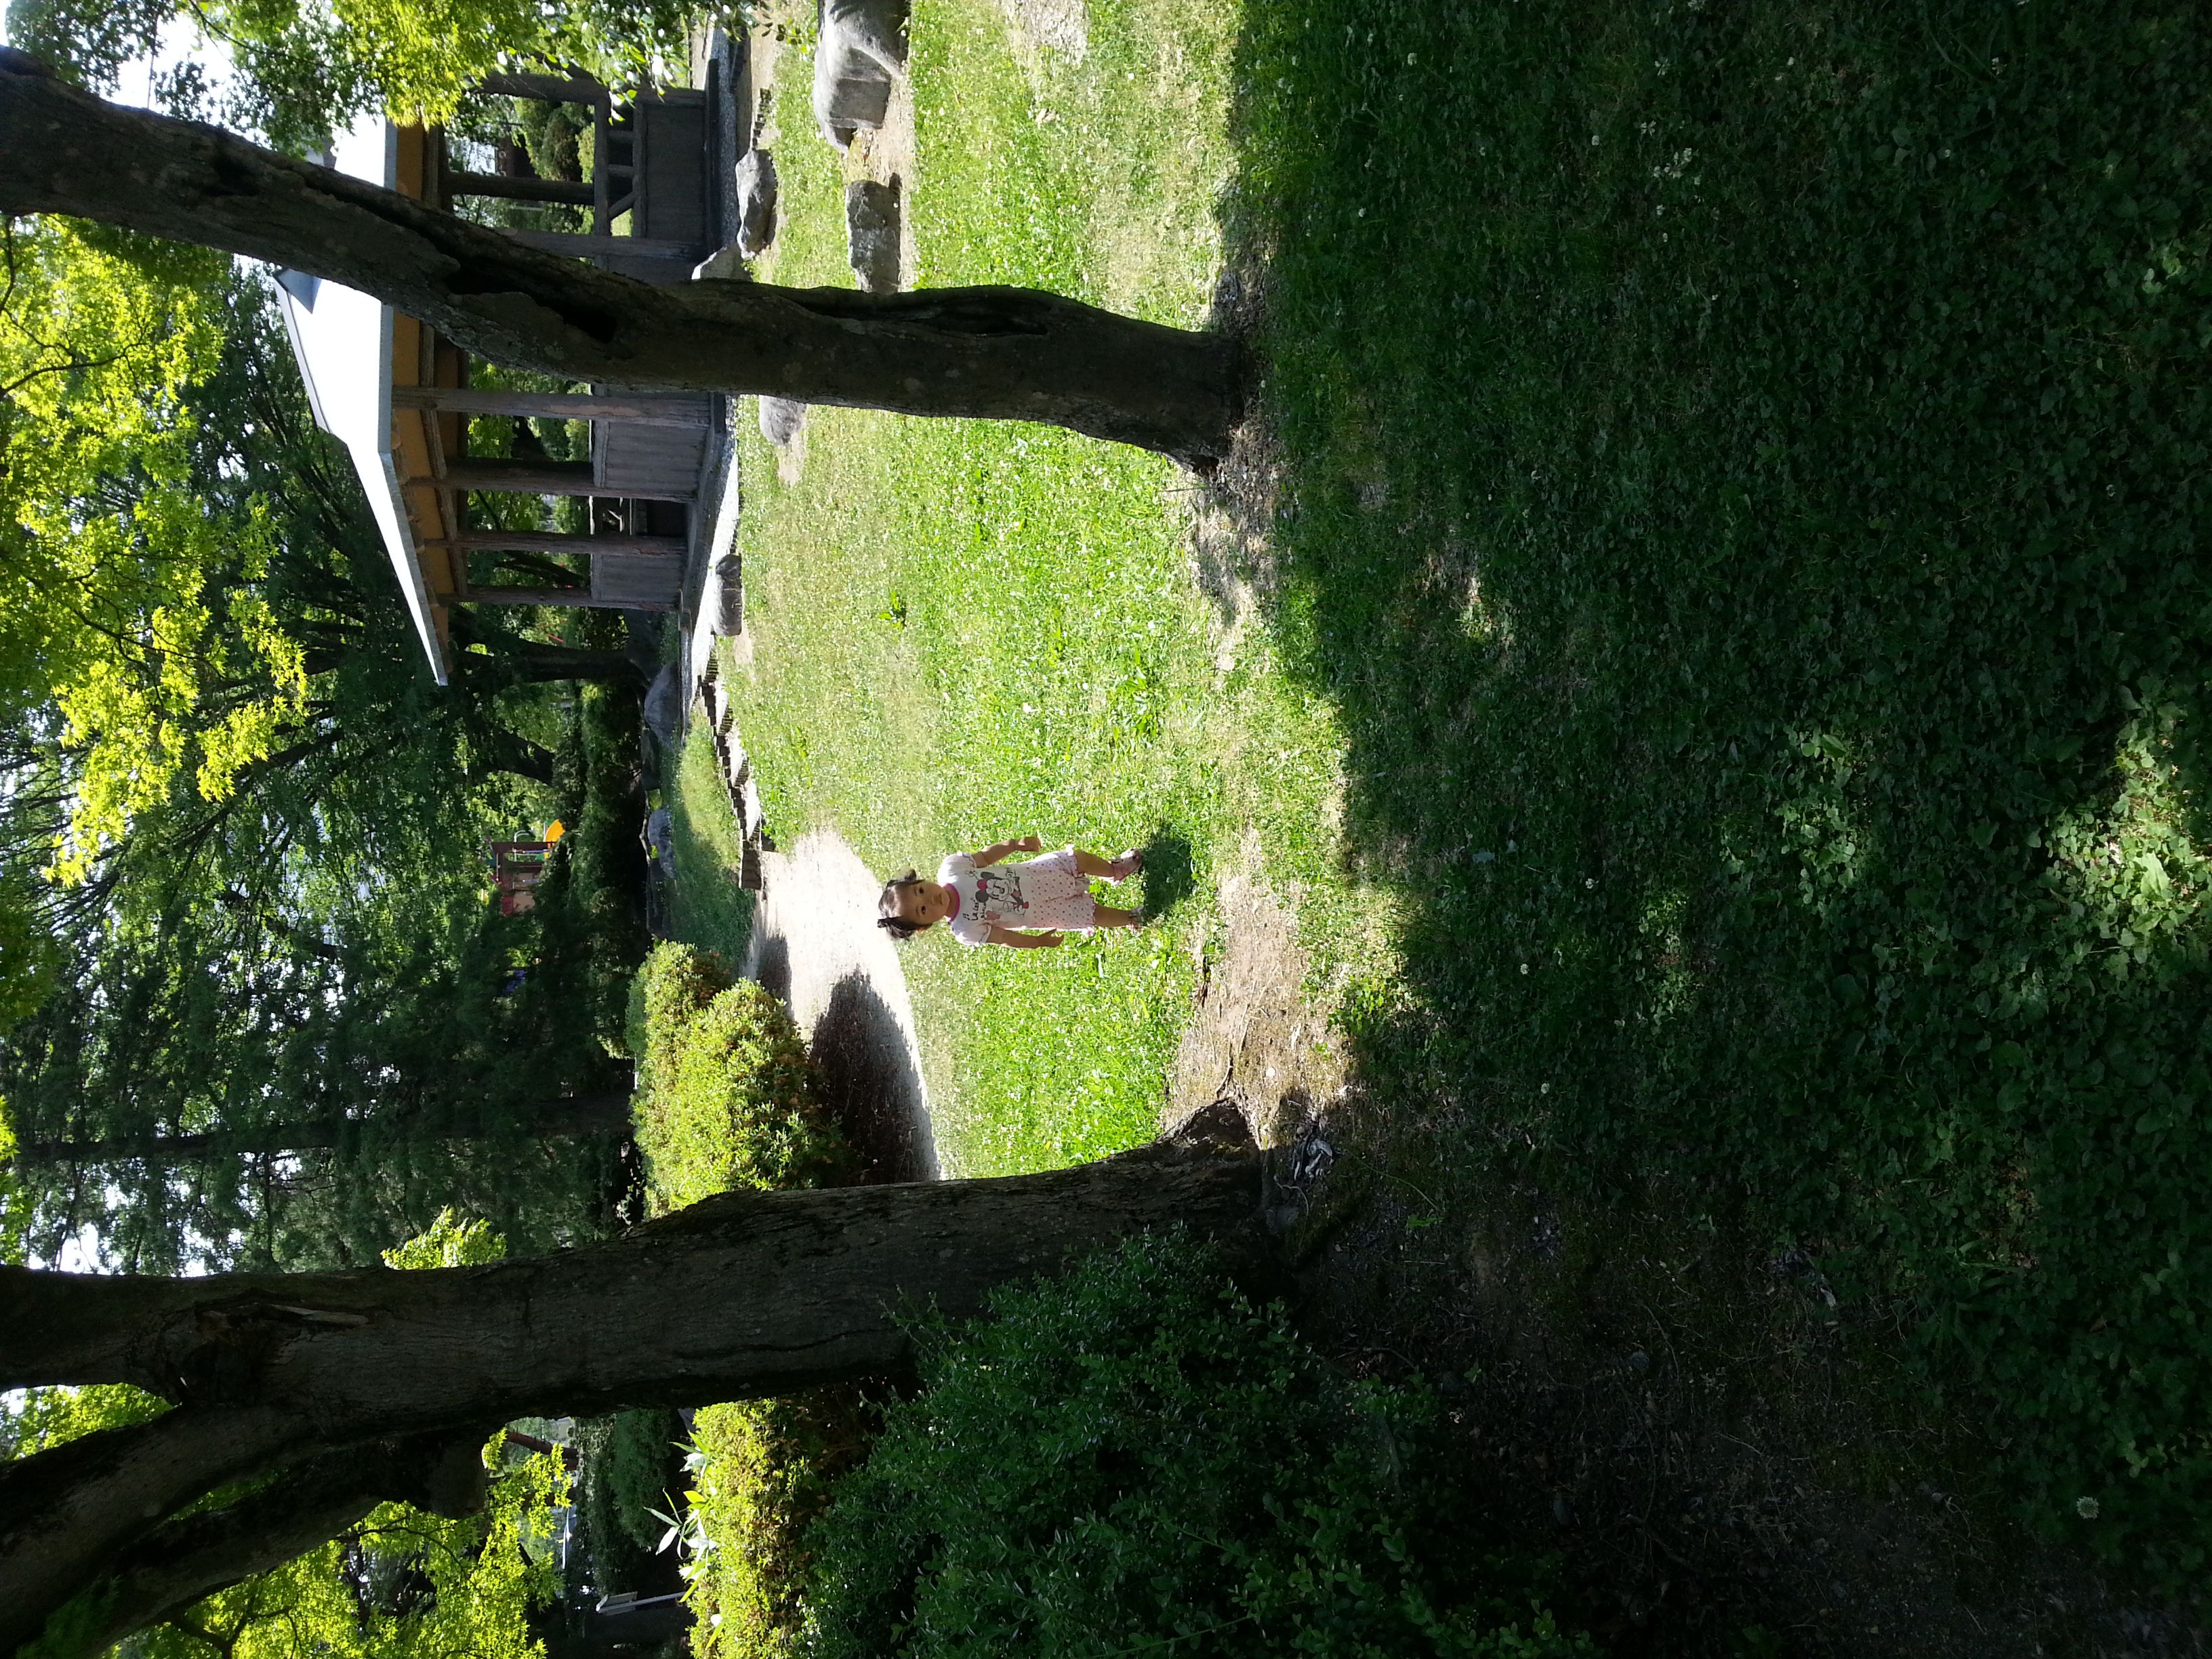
{"x":1021,"y":941}
{"x":991,"y":855}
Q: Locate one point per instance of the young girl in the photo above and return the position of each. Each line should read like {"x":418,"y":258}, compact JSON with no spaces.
{"x":982,"y":904}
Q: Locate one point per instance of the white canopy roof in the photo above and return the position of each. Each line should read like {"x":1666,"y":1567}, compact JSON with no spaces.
{"x":343,"y":340}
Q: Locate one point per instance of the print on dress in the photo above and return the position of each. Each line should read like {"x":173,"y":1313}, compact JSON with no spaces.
{"x":998,"y":894}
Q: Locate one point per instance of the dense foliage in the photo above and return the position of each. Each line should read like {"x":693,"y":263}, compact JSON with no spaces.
{"x":727,"y":1098}
{"x":1750,"y":515}
{"x":259,"y":1005}
{"x":727,"y":1095}
{"x":1131,"y":1454}
{"x":766,"y":1471}
{"x":301,"y":71}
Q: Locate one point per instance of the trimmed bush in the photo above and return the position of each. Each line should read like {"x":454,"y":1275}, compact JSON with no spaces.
{"x":675,"y":983}
{"x":726,"y":1097}
{"x":729,"y":1098}
{"x":1130,"y":1458}
{"x":765,"y":1475}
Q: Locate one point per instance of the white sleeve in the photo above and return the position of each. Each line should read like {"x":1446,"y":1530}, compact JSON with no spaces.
{"x":958,"y":873}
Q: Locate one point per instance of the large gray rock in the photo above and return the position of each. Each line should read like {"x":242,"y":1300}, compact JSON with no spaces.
{"x":860,"y":52}
{"x":871,"y":234}
{"x":724,"y":265}
{"x":663,"y":708}
{"x":756,"y":202}
{"x":780,"y":419}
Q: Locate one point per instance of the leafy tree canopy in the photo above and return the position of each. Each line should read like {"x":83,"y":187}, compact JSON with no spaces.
{"x":303,"y":70}
{"x":125,"y":607}
{"x":255,"y":1004}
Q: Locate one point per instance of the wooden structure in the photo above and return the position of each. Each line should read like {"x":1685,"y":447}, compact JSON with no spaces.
{"x":517,"y":868}
{"x":400,"y":398}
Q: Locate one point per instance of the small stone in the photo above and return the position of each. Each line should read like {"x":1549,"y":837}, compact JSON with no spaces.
{"x":1639,"y":1361}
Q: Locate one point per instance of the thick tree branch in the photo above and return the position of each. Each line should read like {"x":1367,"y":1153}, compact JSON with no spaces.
{"x":990,"y":353}
{"x":187,"y":1560}
{"x":745,"y":1295}
{"x":67,"y":1515}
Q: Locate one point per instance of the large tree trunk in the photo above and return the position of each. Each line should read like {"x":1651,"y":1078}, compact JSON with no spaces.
{"x":992,"y":352}
{"x":575,"y":1115}
{"x":747,"y":1294}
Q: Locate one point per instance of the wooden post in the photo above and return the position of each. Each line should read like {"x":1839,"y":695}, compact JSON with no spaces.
{"x":543,"y":478}
{"x":647,"y":408}
{"x":552,"y":88}
{"x":522,"y":478}
{"x":575,"y":598}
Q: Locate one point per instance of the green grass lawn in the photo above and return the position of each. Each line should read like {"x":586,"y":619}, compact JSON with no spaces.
{"x":1742,"y":476}
{"x":1773,"y":442}
{"x":967,"y":631}
{"x":707,"y":905}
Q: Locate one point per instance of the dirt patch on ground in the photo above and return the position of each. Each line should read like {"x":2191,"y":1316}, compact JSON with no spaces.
{"x":1062,"y":26}
{"x":815,"y":944}
{"x":1252,"y":1038}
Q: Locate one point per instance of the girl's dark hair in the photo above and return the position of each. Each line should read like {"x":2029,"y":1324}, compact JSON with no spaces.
{"x":887,"y":916}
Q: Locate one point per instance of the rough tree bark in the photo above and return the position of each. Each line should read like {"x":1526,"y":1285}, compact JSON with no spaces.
{"x":747,"y":1294}
{"x":992,"y":352}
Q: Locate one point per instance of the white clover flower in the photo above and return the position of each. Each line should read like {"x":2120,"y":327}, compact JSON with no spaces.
{"x":2086,"y":1508}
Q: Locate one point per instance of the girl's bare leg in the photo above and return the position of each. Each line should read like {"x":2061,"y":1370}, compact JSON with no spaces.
{"x":1106,"y":916}
{"x":1118,"y":869}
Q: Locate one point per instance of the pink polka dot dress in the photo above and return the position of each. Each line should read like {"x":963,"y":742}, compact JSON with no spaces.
{"x":1040,"y":892}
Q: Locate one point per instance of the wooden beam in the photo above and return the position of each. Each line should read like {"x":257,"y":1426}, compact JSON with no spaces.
{"x":525,"y":477}
{"x":552,"y":88}
{"x":518,"y":190}
{"x":542,"y":478}
{"x":540,"y":541}
{"x":606,"y":247}
{"x":573,"y":599}
{"x":647,"y":408}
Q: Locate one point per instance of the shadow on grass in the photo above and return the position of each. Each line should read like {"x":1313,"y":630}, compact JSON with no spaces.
{"x":1746,"y":508}
{"x":1170,"y":876}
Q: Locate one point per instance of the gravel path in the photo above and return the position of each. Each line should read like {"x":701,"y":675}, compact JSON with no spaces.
{"x":816,"y":944}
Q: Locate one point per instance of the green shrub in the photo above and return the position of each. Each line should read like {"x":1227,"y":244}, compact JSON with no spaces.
{"x":730,"y":1099}
{"x":1131,"y":1458}
{"x":765,"y":1474}
{"x":726,"y":1097}
{"x":674,"y":985}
